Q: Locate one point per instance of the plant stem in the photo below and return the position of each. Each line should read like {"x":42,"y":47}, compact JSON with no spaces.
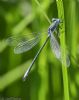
{"x":43,"y":12}
{"x":63,"y":48}
{"x":73,"y":29}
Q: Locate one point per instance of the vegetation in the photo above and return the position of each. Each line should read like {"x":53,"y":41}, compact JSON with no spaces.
{"x":49,"y":79}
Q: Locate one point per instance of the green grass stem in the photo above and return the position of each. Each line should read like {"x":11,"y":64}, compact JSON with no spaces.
{"x":73,"y":29}
{"x":43,"y":12}
{"x":63,"y":48}
{"x":13,"y":75}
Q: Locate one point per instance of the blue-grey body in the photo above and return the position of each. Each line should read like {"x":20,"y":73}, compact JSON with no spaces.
{"x":54,"y":44}
{"x":53,"y":26}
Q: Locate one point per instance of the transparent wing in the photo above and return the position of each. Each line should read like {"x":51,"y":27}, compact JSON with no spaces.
{"x":23,"y":42}
{"x":55,"y":46}
{"x":14,"y":40}
{"x":67,"y":61}
{"x":26,"y":45}
{"x":56,"y":49}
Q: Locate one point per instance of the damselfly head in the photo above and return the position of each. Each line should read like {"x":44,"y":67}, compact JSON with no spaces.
{"x":56,"y":19}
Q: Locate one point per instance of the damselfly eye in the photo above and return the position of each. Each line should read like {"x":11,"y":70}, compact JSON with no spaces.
{"x":54,"y":19}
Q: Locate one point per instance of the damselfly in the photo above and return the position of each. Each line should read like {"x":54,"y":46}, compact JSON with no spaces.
{"x":24,"y":45}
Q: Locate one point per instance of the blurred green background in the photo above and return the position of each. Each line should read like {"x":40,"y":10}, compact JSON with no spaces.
{"x":45,"y":81}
